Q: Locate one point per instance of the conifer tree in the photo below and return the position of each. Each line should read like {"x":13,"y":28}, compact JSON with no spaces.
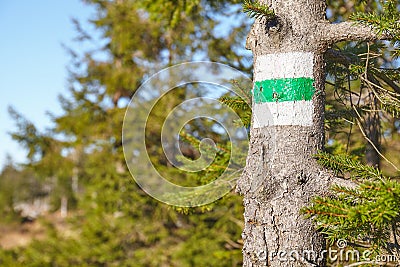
{"x":113,"y":222}
{"x":281,"y":175}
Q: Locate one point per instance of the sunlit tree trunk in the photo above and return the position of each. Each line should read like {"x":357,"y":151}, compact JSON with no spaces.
{"x":281,"y":175}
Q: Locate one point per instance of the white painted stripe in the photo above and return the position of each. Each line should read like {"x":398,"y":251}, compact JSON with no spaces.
{"x":284,"y":65}
{"x":283,"y":113}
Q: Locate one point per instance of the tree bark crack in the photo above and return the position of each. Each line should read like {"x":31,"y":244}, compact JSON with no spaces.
{"x":276,"y":230}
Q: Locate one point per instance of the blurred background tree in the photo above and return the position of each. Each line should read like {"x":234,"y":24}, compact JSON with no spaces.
{"x":110,"y":220}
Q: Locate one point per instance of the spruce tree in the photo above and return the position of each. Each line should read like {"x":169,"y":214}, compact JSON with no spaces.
{"x":281,"y":175}
{"x":112,"y":221}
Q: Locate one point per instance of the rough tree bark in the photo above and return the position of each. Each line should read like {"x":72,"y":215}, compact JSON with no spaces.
{"x":281,"y":175}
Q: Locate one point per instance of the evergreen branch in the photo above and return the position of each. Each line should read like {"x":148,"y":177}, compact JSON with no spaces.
{"x":386,"y":24}
{"x":359,"y":124}
{"x":387,"y":79}
{"x":351,"y":192}
{"x":390,"y":101}
{"x":245,"y":93}
{"x":333,"y":115}
{"x":241,"y":107}
{"x":391,"y":106}
{"x":331,"y":205}
{"x":245,"y":120}
{"x":236,"y":103}
{"x":367,"y":26}
{"x":316,"y":212}
{"x":396,"y":53}
{"x":368,"y":211}
{"x":193,"y":141}
{"x":343,"y":163}
{"x":345,"y":31}
{"x":257,"y":10}
{"x":393,"y":74}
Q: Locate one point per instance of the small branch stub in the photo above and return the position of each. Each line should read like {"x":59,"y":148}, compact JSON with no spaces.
{"x":348,"y":31}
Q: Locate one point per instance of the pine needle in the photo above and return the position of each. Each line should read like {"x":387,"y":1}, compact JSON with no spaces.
{"x":257,"y":10}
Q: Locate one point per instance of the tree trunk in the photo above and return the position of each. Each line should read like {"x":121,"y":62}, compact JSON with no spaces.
{"x":372,"y":131}
{"x":64,"y":207}
{"x":281,"y":176}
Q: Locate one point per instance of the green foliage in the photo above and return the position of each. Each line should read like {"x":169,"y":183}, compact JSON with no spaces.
{"x":367,"y":214}
{"x":240,"y":104}
{"x":111,"y":221}
{"x":257,"y":10}
{"x":342,"y":164}
{"x":362,"y":93}
{"x":386,"y":22}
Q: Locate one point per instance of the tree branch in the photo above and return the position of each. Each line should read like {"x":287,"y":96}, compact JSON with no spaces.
{"x":329,"y":179}
{"x":348,"y":31}
{"x":388,"y":81}
{"x":339,"y":181}
{"x":338,"y":57}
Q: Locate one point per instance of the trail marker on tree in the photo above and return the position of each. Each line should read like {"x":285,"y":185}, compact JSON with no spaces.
{"x":288,"y":40}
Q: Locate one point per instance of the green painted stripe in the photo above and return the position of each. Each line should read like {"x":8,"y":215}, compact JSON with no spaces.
{"x":288,"y":89}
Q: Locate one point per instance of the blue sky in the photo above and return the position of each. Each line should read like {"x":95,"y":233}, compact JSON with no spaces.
{"x":33,"y":62}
